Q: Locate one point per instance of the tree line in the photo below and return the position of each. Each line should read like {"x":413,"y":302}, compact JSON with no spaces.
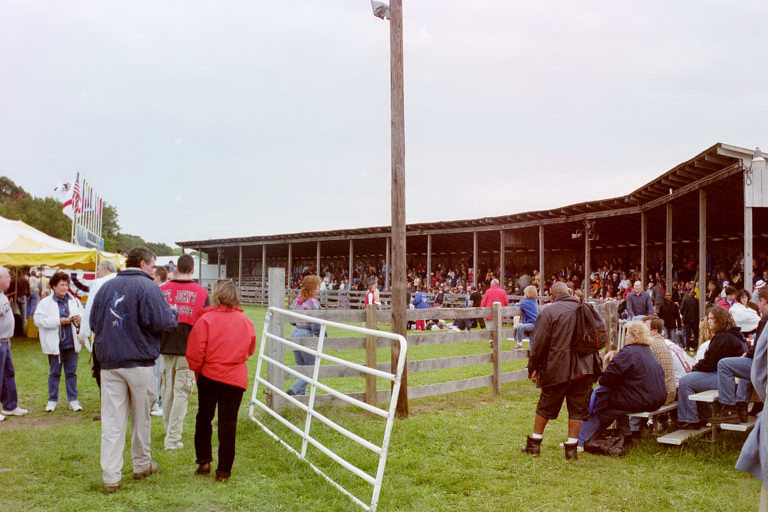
{"x":45,"y":214}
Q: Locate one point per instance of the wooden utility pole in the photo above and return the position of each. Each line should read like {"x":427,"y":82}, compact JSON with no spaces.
{"x":398,"y":192}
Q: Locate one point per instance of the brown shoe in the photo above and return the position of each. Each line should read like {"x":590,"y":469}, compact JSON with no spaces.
{"x":203,"y":469}
{"x":153,"y":467}
{"x":222,"y":479}
{"x":111,"y":488}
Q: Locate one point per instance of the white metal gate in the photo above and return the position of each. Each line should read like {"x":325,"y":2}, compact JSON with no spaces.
{"x":313,"y":386}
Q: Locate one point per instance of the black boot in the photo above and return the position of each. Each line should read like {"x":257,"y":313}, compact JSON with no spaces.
{"x":571,"y":451}
{"x":532,"y":446}
{"x":756,"y":408}
{"x":741,"y":408}
{"x":726,"y":414}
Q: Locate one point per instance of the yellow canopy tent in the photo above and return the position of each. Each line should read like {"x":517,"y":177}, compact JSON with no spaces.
{"x":21,"y":245}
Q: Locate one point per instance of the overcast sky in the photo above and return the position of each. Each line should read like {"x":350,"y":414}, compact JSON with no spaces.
{"x":208,"y":119}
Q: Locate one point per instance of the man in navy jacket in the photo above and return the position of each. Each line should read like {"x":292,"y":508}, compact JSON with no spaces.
{"x":129,"y":314}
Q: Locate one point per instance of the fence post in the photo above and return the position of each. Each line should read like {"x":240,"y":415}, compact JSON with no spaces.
{"x":370,"y":354}
{"x":496,"y":338}
{"x":275,"y":350}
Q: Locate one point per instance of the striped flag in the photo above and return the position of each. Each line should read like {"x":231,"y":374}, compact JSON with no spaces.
{"x":77,"y":199}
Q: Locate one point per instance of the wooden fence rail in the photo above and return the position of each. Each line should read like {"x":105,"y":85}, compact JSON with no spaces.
{"x":500,"y":327}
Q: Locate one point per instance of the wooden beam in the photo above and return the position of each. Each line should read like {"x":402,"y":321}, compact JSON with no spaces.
{"x":702,"y":252}
{"x":475,"y":280}
{"x":289,"y":277}
{"x":643,"y":243}
{"x":397,"y":102}
{"x":668,"y":249}
{"x":388,"y":264}
{"x":428,"y":280}
{"x":501,"y":259}
{"x":541,"y":261}
{"x":712,"y":178}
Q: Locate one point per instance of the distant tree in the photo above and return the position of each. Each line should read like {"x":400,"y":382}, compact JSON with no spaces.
{"x":126,"y":242}
{"x":160,"y":249}
{"x":42,"y":214}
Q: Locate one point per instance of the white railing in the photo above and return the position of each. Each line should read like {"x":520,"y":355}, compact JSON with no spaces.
{"x":313,"y":383}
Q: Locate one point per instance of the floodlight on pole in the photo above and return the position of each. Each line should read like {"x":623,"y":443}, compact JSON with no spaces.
{"x":380,"y":9}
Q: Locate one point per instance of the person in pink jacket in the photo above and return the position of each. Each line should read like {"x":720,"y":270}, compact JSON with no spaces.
{"x":219,"y":345}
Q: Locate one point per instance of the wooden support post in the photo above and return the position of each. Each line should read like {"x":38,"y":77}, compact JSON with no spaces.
{"x":398,"y":193}
{"x":276,"y":350}
{"x":587,"y":263}
{"x":643,"y":230}
{"x":199,"y":265}
{"x":317,"y":265}
{"x":240,"y":271}
{"x":218,"y":262}
{"x":289,"y":277}
{"x":748,"y":250}
{"x":370,"y":354}
{"x":496,"y":339}
{"x":501,"y":260}
{"x":668,"y":250}
{"x":351,"y":260}
{"x":264,"y":296}
{"x":702,"y":253}
{"x":388,"y":263}
{"x":541,"y":261}
{"x":428,"y":280}
{"x":474,"y":260}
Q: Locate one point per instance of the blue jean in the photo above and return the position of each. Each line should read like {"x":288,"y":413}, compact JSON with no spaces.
{"x":302,"y":359}
{"x":32,"y":304}
{"x":592,"y":424}
{"x":694,"y":382}
{"x":67,"y":359}
{"x":728,"y":369}
{"x":8,"y":395}
{"x":522,"y":330}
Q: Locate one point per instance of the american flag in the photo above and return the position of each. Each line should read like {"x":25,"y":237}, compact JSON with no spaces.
{"x":77,"y":200}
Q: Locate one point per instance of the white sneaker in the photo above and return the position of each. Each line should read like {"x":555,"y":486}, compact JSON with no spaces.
{"x":18,"y":411}
{"x":2,"y":418}
{"x":157,"y":412}
{"x":174,"y":446}
{"x":519,"y":345}
{"x":75,"y":406}
{"x":50,"y":406}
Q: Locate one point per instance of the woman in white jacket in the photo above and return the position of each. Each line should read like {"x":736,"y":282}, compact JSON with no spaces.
{"x":58,"y":318}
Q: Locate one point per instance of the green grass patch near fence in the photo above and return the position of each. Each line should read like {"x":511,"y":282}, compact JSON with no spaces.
{"x":457,"y":452}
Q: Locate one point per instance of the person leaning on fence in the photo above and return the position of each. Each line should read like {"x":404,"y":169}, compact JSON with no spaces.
{"x":639,"y":303}
{"x":218,"y":347}
{"x":530,"y":308}
{"x":306,"y":301}
{"x":632,"y":382}
{"x":494,"y":294}
{"x":559,"y":371}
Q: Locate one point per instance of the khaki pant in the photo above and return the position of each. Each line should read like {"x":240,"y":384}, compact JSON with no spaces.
{"x":124,"y":390}
{"x":178,"y":383}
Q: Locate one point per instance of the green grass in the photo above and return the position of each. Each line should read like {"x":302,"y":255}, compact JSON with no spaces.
{"x":459,"y":452}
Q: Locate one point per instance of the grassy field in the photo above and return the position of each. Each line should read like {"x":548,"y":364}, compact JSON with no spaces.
{"x":459,"y":452}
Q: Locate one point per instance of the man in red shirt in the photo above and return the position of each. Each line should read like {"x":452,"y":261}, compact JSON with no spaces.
{"x":494,"y":294}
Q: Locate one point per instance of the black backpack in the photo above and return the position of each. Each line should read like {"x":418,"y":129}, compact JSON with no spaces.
{"x":590,"y":335}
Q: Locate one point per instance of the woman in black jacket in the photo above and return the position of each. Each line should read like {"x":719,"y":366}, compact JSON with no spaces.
{"x":632,"y":382}
{"x":726,"y":342}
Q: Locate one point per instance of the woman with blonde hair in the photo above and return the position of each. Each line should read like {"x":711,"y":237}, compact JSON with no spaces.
{"x":632,"y":382}
{"x":530,"y":309}
{"x":306,"y":301}
{"x":218,"y":348}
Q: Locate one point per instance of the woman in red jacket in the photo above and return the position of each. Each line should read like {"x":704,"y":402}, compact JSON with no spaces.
{"x":219,"y":345}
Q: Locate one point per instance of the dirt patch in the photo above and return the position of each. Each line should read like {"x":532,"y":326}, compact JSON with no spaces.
{"x":38,"y":422}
